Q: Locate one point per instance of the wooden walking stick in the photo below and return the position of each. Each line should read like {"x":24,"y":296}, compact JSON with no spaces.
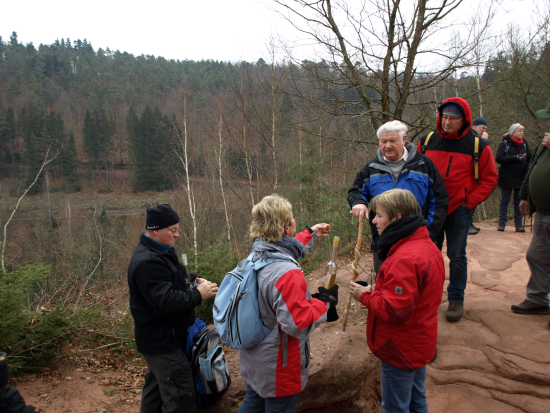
{"x":355,"y":272}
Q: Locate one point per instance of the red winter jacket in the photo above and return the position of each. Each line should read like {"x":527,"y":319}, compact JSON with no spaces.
{"x":402,"y":318}
{"x":452,"y":154}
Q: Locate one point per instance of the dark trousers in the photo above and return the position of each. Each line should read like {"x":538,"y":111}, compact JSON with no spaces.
{"x":455,"y":229}
{"x":253,"y":403}
{"x":503,"y":207}
{"x":169,"y":386}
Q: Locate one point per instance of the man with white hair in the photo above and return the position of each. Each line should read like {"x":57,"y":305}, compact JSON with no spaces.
{"x":398,"y":164}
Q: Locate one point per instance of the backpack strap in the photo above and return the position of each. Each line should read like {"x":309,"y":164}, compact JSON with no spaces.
{"x":476,"y":158}
{"x":423,"y":147}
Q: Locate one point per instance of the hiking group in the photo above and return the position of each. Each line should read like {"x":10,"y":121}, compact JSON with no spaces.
{"x":415,"y":198}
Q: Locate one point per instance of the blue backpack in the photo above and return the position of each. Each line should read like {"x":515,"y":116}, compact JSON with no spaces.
{"x":207,"y":359}
{"x":236,"y":310}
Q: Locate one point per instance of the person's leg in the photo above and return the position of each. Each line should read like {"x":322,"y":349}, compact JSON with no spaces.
{"x":538,"y":258}
{"x":518,"y":218}
{"x":396,"y":385}
{"x":506,"y":193}
{"x":151,"y":402}
{"x":419,"y":404}
{"x":252,"y":402}
{"x":456,"y":231}
{"x":174,"y":380}
{"x":286,"y":404}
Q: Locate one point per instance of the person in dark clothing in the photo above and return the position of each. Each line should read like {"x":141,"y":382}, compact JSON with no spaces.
{"x":470,"y":175}
{"x":514,"y":157}
{"x":535,"y":197}
{"x":162,"y":302}
{"x":479,"y":126}
{"x":399,"y":165}
{"x":10,"y":399}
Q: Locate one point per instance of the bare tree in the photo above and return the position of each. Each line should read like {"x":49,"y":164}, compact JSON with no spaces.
{"x":220,"y":156}
{"x":387,"y":51}
{"x":46,"y":161}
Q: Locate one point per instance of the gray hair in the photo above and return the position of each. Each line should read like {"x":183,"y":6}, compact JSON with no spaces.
{"x":393,"y":126}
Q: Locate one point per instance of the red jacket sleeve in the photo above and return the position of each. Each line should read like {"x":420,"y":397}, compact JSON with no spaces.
{"x":488,"y":179}
{"x":395,"y":301}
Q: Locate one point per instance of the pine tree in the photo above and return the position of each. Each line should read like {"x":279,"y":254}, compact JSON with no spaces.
{"x":70,"y":181}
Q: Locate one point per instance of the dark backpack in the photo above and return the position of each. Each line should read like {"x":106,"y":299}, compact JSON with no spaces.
{"x":207,"y":360}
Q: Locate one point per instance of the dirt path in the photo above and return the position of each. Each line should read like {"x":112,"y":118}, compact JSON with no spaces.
{"x":490,"y":361}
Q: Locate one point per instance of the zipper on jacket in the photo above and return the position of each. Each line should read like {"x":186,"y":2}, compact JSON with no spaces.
{"x":449,"y":167}
{"x":373,"y":327}
{"x":237,"y":318}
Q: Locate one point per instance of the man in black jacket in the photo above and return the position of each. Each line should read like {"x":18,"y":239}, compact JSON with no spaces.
{"x":162,"y":302}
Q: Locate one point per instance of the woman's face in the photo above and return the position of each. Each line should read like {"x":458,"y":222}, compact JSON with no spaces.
{"x":382,"y":220}
{"x":290,"y":229}
{"x":518,"y":133}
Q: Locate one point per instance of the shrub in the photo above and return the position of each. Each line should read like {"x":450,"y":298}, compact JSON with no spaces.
{"x":30,"y":338}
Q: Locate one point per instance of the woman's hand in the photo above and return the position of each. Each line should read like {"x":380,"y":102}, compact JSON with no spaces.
{"x":357,"y":290}
{"x":321,"y":230}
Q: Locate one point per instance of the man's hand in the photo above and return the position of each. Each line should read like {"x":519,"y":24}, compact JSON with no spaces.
{"x":207,"y":289}
{"x":485,"y":135}
{"x":524,"y":207}
{"x":357,"y":290}
{"x":360,"y":211}
{"x":321,"y":230}
{"x":546,"y":140}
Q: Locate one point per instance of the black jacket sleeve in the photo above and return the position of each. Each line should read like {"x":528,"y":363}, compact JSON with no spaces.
{"x":12,"y":402}
{"x":354,"y":196}
{"x":154,"y":280}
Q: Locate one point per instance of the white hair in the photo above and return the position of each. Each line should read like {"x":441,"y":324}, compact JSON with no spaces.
{"x":393,"y":126}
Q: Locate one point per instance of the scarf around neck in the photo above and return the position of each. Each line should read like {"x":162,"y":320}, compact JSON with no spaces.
{"x":396,"y":231}
{"x":516,"y":140}
{"x":294,"y":247}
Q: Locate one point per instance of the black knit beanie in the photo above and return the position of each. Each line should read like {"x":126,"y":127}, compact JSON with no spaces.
{"x":161,"y":216}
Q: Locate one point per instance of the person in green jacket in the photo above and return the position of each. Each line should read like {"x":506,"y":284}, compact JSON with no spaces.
{"x":535,"y":197}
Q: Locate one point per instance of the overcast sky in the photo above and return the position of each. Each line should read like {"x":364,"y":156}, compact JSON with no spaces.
{"x":228,"y":30}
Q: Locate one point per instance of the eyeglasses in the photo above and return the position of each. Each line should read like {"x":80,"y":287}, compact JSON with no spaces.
{"x":173,"y":230}
{"x":452,"y":119}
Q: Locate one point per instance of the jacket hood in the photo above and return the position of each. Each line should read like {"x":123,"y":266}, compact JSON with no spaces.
{"x":263,"y":249}
{"x":411,"y":148}
{"x":467,"y":117}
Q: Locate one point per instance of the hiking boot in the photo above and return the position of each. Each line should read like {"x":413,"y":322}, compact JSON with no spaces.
{"x":474,"y":227}
{"x":454,"y":311}
{"x":472,"y":230}
{"x":527,"y":307}
{"x":500,"y":228}
{"x":520,"y":229}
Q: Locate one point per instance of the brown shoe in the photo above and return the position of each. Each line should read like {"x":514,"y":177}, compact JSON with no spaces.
{"x":527,"y":307}
{"x":520,"y":229}
{"x":500,"y":228}
{"x":454,"y":311}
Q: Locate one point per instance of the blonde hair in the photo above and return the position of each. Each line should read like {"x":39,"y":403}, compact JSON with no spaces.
{"x":269,"y":218}
{"x":396,"y":202}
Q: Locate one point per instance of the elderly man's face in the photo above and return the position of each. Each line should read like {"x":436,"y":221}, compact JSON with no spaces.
{"x":168,"y":236}
{"x":392,"y":145}
{"x":451,"y":123}
{"x":480,"y":129}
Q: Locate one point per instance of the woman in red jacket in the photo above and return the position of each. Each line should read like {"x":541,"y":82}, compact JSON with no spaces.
{"x":402,"y":317}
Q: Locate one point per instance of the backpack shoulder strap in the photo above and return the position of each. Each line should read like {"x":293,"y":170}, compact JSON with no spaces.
{"x":423,"y":150}
{"x":476,"y":157}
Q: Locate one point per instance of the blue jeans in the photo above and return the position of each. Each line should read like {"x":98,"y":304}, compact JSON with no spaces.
{"x":253,"y":403}
{"x":455,"y":229}
{"x":506,"y":194}
{"x":403,"y":391}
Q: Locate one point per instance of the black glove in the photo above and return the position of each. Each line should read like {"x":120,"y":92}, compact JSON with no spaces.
{"x":329,"y":296}
{"x":362,"y":283}
{"x":3,"y":374}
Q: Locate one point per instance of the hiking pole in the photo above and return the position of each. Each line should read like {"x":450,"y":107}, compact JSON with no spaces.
{"x":355,"y":272}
